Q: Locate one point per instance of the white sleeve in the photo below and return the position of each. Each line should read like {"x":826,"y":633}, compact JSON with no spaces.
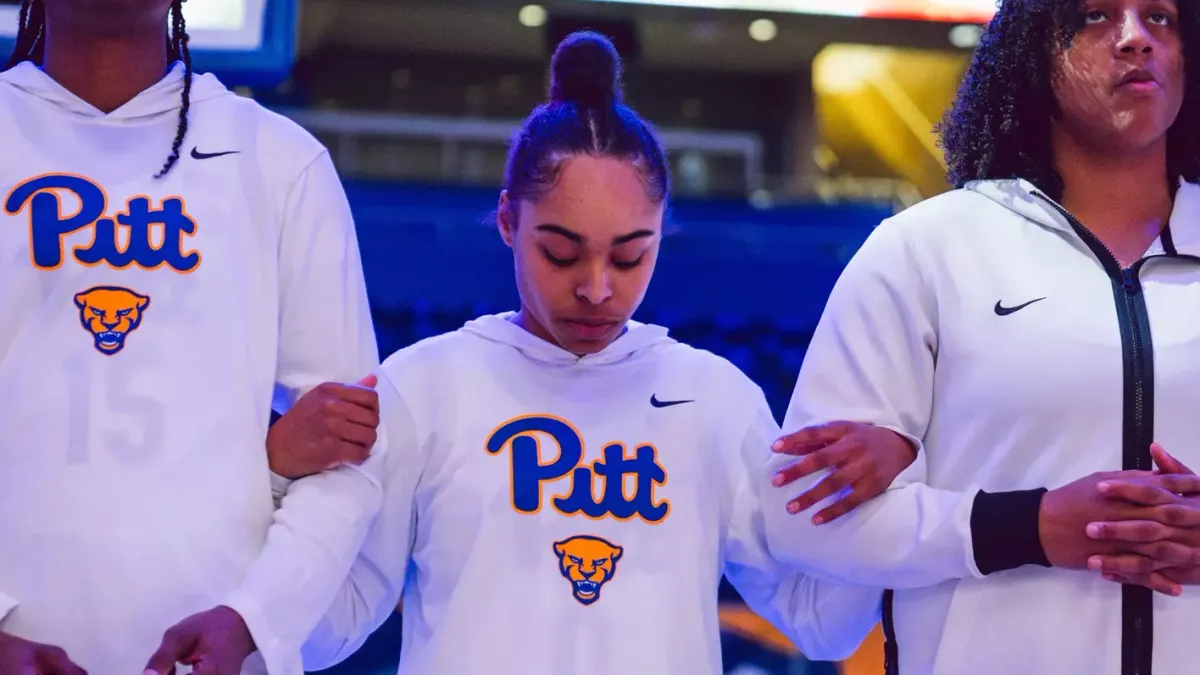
{"x":325,"y":329}
{"x":7,"y":605}
{"x":872,"y":360}
{"x":325,"y":334}
{"x":373,"y":589}
{"x":826,"y":621}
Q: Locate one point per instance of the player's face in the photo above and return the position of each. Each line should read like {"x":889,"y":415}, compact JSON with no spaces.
{"x":1120,"y":84}
{"x":584,"y":252}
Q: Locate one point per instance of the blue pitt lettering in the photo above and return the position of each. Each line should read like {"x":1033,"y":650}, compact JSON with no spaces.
{"x":529,"y":474}
{"x":48,"y":225}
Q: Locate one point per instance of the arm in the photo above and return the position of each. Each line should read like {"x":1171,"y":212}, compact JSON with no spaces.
{"x":826,"y":621}
{"x":872,"y":360}
{"x":373,"y":588}
{"x":325,"y":334}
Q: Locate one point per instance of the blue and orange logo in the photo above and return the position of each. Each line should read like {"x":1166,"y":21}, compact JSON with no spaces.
{"x":528,"y":437}
{"x":588,"y":563}
{"x":139,"y":235}
{"x":110,"y":314}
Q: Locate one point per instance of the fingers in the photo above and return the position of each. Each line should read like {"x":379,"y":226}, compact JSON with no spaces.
{"x":1134,"y":531}
{"x":1166,"y":463}
{"x":1155,"y":581}
{"x":855,"y":498}
{"x":828,"y":487}
{"x":812,"y":438}
{"x":1125,"y":563}
{"x":360,"y":396}
{"x":1154,"y":490}
{"x":1179,"y":484}
{"x":1145,"y":558}
{"x":369,"y":381}
{"x":824,"y":458}
{"x":354,"y":414}
{"x":176,"y":645}
{"x":354,"y":434}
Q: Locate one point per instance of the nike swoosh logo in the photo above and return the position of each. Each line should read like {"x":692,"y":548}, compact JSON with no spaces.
{"x":1005,"y":311}
{"x":665,"y":404}
{"x":196,"y":154}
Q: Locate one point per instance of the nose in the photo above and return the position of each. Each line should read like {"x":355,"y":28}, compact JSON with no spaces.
{"x":596,"y":287}
{"x":110,"y":322}
{"x":1135,"y":37}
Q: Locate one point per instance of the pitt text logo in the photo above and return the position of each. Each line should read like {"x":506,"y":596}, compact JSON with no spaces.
{"x":524,"y":437}
{"x":588,"y":563}
{"x":110,"y":314}
{"x":122,"y":240}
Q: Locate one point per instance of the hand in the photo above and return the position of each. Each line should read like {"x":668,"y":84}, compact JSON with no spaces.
{"x":1174,"y":518}
{"x":865,"y":459}
{"x":215,"y":642}
{"x":22,"y":657}
{"x":1067,"y":511}
{"x":331,"y":425}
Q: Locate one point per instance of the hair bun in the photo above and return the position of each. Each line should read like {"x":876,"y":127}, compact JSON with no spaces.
{"x":585,"y":70}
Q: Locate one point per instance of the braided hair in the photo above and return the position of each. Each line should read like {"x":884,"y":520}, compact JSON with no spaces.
{"x":31,"y":46}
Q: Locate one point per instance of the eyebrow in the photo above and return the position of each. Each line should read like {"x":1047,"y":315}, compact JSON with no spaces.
{"x":578,"y":238}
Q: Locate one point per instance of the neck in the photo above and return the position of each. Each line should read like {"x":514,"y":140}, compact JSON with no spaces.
{"x":106,"y":69}
{"x":1118,"y":194}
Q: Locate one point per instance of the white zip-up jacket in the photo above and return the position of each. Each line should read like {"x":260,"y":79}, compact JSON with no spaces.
{"x":995,"y":330}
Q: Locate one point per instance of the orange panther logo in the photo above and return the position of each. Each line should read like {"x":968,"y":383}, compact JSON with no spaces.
{"x":110,"y":314}
{"x":588,"y":563}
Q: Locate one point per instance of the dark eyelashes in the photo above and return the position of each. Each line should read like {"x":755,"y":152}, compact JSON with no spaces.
{"x":567,"y":262}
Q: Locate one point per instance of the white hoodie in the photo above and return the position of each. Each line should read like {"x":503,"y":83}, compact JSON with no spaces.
{"x":516,"y":556}
{"x":989,"y":327}
{"x":138,"y":377}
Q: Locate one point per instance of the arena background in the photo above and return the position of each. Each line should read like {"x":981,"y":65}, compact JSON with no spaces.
{"x":794,"y":127}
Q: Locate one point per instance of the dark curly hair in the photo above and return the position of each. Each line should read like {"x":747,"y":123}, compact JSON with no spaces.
{"x":999,"y":125}
{"x":31,"y":46}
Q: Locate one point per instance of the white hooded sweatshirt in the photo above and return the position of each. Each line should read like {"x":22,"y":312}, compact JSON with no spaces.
{"x":546,"y":513}
{"x":144,"y":325}
{"x":992,"y":328}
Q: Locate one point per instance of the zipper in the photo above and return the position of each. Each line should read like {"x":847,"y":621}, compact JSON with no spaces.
{"x":891,"y":652}
{"x":1137,"y":618}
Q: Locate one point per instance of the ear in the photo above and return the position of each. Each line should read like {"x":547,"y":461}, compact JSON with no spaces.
{"x":506,"y":219}
{"x":81,"y":300}
{"x":143,"y":301}
{"x":559,"y":549}
{"x":617,"y":551}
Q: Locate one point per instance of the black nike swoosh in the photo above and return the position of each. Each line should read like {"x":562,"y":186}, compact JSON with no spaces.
{"x":665,"y":404}
{"x":196,"y":154}
{"x":1005,"y":311}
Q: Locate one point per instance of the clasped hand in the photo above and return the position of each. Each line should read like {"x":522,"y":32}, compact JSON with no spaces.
{"x":1134,"y":527}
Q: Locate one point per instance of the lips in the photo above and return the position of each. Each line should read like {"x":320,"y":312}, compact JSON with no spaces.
{"x":590,"y":328}
{"x":1137,"y":78}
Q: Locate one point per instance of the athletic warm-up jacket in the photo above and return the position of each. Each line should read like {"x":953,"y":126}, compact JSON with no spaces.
{"x":993,"y":328}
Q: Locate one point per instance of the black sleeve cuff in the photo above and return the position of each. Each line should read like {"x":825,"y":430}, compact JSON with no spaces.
{"x":274,"y":418}
{"x":1004,"y":530}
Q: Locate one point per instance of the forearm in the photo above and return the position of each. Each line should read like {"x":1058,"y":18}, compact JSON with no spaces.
{"x":309,"y":550}
{"x":363,"y":604}
{"x":911,"y":536}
